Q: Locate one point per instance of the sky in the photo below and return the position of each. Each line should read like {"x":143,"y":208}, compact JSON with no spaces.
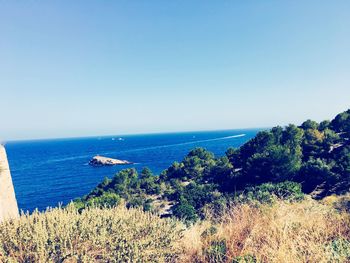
{"x":85,"y":68}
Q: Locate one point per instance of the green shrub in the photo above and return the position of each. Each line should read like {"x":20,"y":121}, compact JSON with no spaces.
{"x":107,"y":199}
{"x":185,"y":211}
{"x":268,"y":192}
{"x":340,"y":249}
{"x":216,"y":252}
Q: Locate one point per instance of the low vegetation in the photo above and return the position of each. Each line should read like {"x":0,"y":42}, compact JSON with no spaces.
{"x":306,"y":231}
{"x":94,"y":235}
{"x":280,"y":197}
{"x":280,"y":231}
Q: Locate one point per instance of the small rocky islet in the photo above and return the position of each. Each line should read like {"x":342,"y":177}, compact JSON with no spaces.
{"x":106,"y":161}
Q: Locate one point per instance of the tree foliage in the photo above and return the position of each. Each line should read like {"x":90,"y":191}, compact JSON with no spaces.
{"x":314,"y":157}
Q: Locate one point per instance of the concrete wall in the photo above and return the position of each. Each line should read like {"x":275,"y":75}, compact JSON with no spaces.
{"x":8,"y":202}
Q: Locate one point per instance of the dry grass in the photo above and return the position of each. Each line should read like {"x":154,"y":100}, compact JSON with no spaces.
{"x":308,"y":231}
{"x":95,"y":235}
{"x":285,"y":232}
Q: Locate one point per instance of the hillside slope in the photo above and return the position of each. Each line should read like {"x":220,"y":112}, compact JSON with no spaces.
{"x":314,"y":155}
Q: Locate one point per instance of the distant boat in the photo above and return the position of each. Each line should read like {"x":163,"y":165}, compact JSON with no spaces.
{"x":119,"y":139}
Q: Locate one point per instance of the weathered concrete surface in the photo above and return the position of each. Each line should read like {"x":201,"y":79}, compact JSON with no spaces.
{"x":8,"y":202}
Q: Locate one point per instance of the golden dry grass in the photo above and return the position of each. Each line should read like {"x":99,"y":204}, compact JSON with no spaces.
{"x":308,"y":231}
{"x":284,"y":232}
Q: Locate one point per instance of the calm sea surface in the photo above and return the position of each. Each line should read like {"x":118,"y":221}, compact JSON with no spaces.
{"x":48,"y":172}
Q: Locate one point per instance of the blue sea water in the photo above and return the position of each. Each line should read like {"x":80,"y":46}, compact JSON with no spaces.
{"x":48,"y":172}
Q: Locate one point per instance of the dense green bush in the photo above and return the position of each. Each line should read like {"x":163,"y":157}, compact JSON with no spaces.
{"x":185,"y":211}
{"x":341,"y":123}
{"x":268,"y":192}
{"x":107,"y":199}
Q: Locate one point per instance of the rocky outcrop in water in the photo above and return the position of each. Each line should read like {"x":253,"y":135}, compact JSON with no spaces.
{"x":8,"y":202}
{"x":102,"y":161}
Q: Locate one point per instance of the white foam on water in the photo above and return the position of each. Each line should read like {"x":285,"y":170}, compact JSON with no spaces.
{"x":179,"y":144}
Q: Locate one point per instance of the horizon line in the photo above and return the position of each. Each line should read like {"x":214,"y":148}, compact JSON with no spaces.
{"x":3,"y":142}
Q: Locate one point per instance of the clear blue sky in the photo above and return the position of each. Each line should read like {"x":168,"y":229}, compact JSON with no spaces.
{"x":79,"y":68}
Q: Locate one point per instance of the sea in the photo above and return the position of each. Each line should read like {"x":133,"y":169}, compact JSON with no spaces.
{"x":48,"y":173}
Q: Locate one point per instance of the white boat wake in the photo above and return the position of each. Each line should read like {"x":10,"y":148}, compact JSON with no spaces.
{"x":179,"y":144}
{"x":145,"y":148}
